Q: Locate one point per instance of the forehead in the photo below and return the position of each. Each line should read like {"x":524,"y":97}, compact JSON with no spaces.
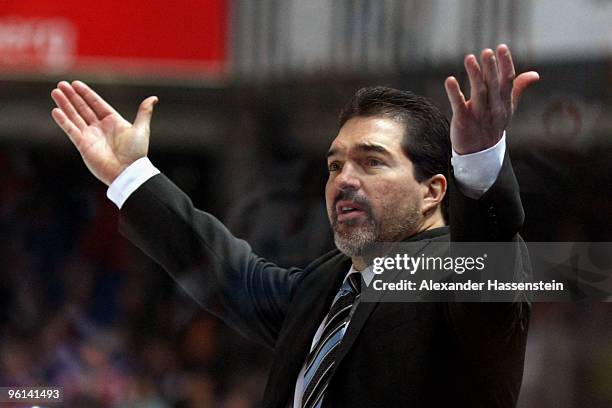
{"x":358,"y":131}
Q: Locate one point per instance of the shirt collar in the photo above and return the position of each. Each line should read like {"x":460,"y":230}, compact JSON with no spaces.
{"x":366,"y":274}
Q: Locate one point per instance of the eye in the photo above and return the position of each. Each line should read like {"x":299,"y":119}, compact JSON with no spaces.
{"x":333,"y":166}
{"x":371,"y":162}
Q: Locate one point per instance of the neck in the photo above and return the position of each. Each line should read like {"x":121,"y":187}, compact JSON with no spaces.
{"x":436,"y":221}
{"x":359,"y":263}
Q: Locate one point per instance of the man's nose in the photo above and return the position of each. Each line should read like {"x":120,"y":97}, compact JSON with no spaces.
{"x":348,"y":178}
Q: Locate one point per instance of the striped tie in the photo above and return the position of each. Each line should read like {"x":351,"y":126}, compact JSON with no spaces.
{"x":322,"y":356}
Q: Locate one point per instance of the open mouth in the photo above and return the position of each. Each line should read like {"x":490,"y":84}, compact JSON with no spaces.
{"x":348,"y":210}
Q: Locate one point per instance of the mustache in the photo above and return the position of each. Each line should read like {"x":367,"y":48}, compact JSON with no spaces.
{"x":351,"y":195}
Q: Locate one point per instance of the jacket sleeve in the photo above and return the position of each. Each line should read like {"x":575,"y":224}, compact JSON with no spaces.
{"x":496,"y":216}
{"x":491,"y":225}
{"x":492,"y":336}
{"x":218,"y":270}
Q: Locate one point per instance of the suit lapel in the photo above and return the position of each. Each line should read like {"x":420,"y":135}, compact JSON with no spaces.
{"x":312,"y":301}
{"x":359,"y":318}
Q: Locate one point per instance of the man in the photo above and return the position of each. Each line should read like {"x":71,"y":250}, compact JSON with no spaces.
{"x":387,"y":182}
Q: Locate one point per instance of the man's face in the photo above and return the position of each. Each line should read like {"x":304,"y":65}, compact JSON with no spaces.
{"x":371,"y":193}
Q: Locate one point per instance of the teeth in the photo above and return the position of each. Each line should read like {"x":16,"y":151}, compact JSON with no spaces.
{"x":347,"y":209}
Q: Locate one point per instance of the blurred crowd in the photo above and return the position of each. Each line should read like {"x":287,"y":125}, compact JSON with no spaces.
{"x":84,"y":310}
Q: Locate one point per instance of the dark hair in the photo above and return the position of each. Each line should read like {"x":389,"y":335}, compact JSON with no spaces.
{"x":427,"y":139}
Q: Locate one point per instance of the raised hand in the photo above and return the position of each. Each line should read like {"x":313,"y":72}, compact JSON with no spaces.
{"x":495,"y":90}
{"x":106,"y":141}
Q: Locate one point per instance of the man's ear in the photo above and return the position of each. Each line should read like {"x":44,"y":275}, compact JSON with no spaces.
{"x":435,"y":190}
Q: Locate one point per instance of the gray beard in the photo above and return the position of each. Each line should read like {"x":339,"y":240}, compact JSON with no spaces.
{"x":354,"y":242}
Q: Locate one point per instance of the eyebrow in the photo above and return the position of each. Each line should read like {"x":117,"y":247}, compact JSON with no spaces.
{"x":363,"y":147}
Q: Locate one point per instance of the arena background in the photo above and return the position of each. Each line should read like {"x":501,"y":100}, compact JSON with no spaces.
{"x":249,"y":96}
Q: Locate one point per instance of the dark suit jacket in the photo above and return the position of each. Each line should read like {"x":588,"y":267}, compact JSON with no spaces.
{"x":393,"y":354}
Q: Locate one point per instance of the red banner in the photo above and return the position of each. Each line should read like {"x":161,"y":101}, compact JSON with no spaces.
{"x":135,"y":37}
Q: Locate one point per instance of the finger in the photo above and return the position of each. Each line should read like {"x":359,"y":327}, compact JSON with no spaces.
{"x":478,"y":89}
{"x":95,"y":101}
{"x":74,"y":134}
{"x":489,"y":63}
{"x":68,"y":110}
{"x":145,"y":112}
{"x":506,"y":72}
{"x":79,"y":104}
{"x":521,"y":83}
{"x":455,"y":96}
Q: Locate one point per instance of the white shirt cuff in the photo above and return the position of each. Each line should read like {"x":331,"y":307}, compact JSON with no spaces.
{"x":130,"y":179}
{"x":476,"y":172}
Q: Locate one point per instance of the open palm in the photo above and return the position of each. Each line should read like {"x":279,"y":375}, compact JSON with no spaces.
{"x":106,"y":141}
{"x":495,"y":90}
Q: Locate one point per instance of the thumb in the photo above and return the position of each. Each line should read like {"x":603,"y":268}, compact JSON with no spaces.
{"x":522,"y":82}
{"x":145,"y":112}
